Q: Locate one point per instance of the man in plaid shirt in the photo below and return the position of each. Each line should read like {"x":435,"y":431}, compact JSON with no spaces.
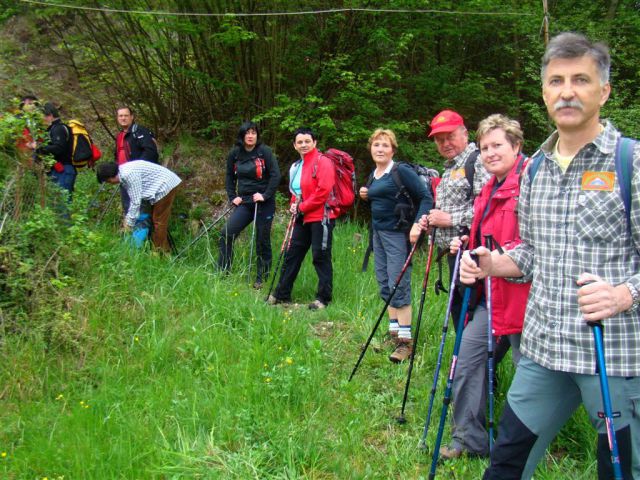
{"x":582,"y":255}
{"x":148,"y":181}
{"x":457,"y":189}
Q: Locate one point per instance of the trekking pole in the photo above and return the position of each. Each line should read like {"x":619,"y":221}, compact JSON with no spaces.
{"x":107,"y":206}
{"x":253,"y":238}
{"x":401,"y":419}
{"x":488,"y":243}
{"x":93,"y":203}
{"x":203,"y":233}
{"x":288,"y":233}
{"x":172,"y":243}
{"x":438,"y":286}
{"x":445,"y":327}
{"x":606,"y":399}
{"x":452,"y":372}
{"x":386,"y":303}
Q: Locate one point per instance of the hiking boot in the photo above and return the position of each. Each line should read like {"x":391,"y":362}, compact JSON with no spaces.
{"x":257,"y":285}
{"x":403,"y":350}
{"x":317,"y":305}
{"x":390,"y":339}
{"x":271,"y":300}
{"x":449,"y":452}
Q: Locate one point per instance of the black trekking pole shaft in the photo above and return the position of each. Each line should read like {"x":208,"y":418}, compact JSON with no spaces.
{"x":172,"y":243}
{"x":386,"y":304}
{"x":93,"y":203}
{"x":285,"y":247}
{"x":488,"y":242}
{"x":443,"y":339}
{"x":606,"y":400}
{"x":203,"y":233}
{"x":423,"y":296}
{"x":107,"y":206}
{"x":452,"y":372}
{"x":253,"y":238}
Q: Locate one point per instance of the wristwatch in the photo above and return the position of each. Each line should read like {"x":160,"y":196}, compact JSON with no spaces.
{"x":635,"y":295}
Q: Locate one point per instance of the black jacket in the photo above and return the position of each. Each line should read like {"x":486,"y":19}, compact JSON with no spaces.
{"x":59,"y":142}
{"x":142,"y":144}
{"x":242,"y":173}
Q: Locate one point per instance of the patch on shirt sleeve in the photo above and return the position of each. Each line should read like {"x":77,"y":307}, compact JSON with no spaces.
{"x":602,"y":181}
{"x":457,"y":174}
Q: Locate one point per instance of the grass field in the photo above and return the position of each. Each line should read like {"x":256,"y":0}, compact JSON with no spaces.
{"x":172,"y":371}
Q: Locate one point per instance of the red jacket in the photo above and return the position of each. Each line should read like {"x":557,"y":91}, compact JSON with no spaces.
{"x":317,"y":182}
{"x":508,"y":299}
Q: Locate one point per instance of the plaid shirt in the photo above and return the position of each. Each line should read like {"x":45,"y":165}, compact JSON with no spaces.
{"x":454,"y":196}
{"x":567,"y":230}
{"x":145,"y":181}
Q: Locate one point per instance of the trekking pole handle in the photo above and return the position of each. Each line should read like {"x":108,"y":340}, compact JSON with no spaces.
{"x":491,"y":243}
{"x":592,"y":323}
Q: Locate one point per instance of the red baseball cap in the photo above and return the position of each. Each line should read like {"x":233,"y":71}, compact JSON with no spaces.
{"x":446,"y":121}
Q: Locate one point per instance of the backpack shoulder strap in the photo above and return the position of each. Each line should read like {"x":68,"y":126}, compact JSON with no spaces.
{"x":536,"y":161}
{"x":470,"y":167}
{"x":369,"y":250}
{"x":395,"y":176}
{"x":369,"y":180}
{"x":70,"y":137}
{"x":522,"y":163}
{"x":624,"y":172}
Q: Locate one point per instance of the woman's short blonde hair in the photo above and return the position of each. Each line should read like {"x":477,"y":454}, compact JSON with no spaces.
{"x":384,"y":132}
{"x":511,"y":128}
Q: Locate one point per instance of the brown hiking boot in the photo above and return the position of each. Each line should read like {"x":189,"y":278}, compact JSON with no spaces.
{"x":450,"y":452}
{"x":403,"y":350}
{"x":390,"y":339}
{"x":272,"y":300}
{"x":317,"y":305}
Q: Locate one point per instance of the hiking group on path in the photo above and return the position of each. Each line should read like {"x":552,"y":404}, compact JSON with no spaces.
{"x":543,"y":253}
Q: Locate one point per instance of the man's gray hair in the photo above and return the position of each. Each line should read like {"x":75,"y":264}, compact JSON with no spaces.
{"x":575,"y":45}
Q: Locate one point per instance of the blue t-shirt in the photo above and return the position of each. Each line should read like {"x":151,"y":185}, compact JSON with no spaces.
{"x":294,"y":181}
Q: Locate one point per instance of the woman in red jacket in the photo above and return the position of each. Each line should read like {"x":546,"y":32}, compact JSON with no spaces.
{"x":311,"y":180}
{"x":494,"y":213}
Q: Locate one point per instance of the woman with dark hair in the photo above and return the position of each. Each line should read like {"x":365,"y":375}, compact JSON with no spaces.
{"x":251,"y":180}
{"x":311,"y":181}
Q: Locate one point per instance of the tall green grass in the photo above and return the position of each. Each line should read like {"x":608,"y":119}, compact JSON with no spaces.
{"x":178,"y":372}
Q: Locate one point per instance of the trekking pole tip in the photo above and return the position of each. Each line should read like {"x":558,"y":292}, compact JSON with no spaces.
{"x":401,"y":419}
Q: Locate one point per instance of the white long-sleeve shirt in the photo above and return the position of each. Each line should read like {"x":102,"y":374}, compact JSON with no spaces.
{"x":145,"y":181}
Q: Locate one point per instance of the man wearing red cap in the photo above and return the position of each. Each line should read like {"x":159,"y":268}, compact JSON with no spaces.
{"x":463,"y":178}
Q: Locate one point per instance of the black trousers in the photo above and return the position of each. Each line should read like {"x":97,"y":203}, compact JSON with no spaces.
{"x":241,"y":217}
{"x":313,"y":235}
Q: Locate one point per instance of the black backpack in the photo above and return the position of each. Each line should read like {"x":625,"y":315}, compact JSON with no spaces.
{"x":405,"y":207}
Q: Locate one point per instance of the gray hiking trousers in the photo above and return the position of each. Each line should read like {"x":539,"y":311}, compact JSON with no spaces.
{"x":470,"y":386}
{"x":539,"y":403}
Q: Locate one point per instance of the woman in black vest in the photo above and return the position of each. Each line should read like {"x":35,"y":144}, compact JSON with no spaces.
{"x":252,"y":177}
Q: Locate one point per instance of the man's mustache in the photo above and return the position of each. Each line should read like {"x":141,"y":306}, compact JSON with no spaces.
{"x":568,"y":104}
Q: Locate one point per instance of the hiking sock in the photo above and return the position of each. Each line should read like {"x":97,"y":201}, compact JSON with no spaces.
{"x":394,"y":326}
{"x":404,"y":332}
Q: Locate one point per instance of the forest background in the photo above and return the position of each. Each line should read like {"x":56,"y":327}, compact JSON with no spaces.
{"x":97,"y":378}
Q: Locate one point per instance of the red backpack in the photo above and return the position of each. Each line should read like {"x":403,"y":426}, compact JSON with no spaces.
{"x":344,"y":191}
